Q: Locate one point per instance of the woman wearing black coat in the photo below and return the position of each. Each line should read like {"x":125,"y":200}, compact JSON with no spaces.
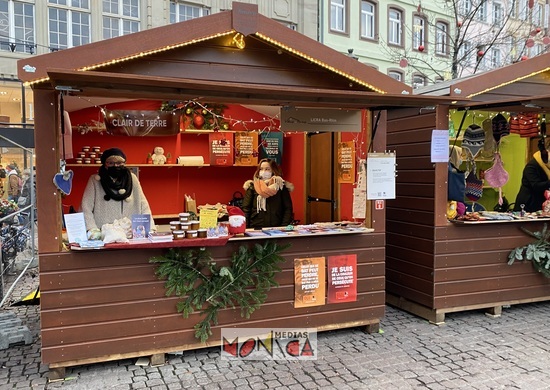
{"x":535,"y":180}
{"x":267,"y":201}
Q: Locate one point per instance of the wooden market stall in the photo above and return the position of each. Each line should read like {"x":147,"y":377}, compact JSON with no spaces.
{"x":434,"y":266}
{"x":109,"y":304}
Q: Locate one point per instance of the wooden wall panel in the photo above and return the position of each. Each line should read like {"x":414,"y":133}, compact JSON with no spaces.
{"x":103,"y":305}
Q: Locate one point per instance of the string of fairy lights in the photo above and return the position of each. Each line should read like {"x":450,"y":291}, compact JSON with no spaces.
{"x":222,"y":124}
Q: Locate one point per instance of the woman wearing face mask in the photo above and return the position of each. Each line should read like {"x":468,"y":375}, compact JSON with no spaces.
{"x":267,"y":201}
{"x":113,"y":193}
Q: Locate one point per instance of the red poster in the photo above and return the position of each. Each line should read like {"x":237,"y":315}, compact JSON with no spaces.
{"x":342,"y":278}
{"x":221,"y":148}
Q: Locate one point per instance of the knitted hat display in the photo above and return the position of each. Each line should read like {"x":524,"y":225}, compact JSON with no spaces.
{"x":490,"y":144}
{"x":474,"y":138}
{"x":112,"y":152}
{"x":500,"y":127}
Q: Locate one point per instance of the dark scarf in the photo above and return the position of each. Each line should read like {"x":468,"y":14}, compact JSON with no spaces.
{"x":112,"y":187}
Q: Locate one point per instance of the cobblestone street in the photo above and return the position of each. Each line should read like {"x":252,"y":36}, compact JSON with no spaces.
{"x":471,"y":351}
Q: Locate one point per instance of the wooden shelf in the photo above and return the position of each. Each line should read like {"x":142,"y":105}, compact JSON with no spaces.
{"x":161,"y":165}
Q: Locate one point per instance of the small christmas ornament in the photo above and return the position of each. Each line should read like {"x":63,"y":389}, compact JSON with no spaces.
{"x":421,"y":48}
{"x":403,"y":63}
{"x":198,"y":121}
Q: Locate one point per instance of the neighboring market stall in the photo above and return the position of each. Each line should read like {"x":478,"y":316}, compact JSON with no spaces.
{"x":108,"y":304}
{"x":435,"y":265}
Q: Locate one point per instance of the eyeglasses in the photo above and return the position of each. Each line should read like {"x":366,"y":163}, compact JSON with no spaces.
{"x":115,"y":164}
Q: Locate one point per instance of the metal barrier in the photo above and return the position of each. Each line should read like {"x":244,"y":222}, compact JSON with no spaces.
{"x":17,"y":233}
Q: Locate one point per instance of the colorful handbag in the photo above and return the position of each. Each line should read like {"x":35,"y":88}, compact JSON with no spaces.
{"x":474,"y":186}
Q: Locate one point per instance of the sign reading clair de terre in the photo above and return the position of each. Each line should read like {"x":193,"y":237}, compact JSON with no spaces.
{"x":312,"y":119}
{"x":141,"y":122}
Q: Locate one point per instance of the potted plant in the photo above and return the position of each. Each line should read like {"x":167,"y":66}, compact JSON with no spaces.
{"x":149,"y":158}
{"x":169,"y":158}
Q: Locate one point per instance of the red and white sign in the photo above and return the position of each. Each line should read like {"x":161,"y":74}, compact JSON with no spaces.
{"x":379,"y":204}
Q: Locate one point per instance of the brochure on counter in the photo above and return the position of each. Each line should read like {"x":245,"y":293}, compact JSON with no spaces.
{"x":317,"y":228}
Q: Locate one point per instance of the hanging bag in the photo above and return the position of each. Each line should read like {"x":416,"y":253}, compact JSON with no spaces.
{"x":456,"y":184}
{"x":496,"y":176}
{"x":237,"y":199}
{"x":474,"y":186}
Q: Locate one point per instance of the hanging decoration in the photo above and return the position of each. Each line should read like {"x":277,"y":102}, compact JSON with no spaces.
{"x":198,"y":116}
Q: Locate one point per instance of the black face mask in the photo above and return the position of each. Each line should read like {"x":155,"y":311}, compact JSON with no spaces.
{"x":115,"y":171}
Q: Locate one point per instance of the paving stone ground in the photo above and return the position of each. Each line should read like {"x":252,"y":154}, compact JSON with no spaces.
{"x":471,"y":351}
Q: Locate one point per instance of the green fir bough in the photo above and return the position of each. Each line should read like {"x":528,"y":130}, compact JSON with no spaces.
{"x":537,"y":252}
{"x":205,"y":287}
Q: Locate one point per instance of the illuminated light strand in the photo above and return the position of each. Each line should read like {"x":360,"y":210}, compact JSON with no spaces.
{"x":320,"y":63}
{"x":509,"y":82}
{"x":138,"y":55}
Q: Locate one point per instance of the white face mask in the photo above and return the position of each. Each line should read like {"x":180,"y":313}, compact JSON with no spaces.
{"x":265,"y":175}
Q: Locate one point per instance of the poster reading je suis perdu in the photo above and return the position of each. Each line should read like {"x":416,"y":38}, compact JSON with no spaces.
{"x":309,"y":282}
{"x":346,"y":162}
{"x":221,"y":148}
{"x":246,"y":148}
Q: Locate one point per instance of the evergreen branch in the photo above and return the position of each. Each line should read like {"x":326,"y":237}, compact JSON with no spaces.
{"x":205,"y":287}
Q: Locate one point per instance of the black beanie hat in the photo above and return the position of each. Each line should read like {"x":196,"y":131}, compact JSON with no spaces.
{"x":112,"y":152}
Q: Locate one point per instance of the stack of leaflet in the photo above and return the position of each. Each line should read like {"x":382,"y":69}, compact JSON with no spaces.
{"x":161,"y":236}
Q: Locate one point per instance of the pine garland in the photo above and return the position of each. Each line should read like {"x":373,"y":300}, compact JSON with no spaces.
{"x":204,"y":287}
{"x":537,"y":252}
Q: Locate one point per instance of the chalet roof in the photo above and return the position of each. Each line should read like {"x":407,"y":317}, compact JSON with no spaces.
{"x":523,"y":86}
{"x":201,"y":58}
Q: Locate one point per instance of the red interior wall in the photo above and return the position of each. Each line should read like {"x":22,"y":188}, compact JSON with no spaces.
{"x":165,"y":187}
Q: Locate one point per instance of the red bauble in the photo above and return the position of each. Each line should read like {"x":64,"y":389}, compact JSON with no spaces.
{"x":546,"y":40}
{"x":538,"y":29}
{"x":403,"y":62}
{"x":421,"y":48}
{"x":198,"y":121}
{"x":459,"y":23}
{"x":524,"y":58}
{"x":480,"y":53}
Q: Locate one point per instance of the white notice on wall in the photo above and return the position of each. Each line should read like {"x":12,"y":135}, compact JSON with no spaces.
{"x":440,"y":146}
{"x":381,"y":176}
{"x":359,"y":204}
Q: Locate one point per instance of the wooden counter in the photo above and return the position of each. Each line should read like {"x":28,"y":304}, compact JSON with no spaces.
{"x":108,"y":305}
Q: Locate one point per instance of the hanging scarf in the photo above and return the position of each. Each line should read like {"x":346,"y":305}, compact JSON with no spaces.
{"x":119,"y":188}
{"x":538,"y":158}
{"x":266,"y":189}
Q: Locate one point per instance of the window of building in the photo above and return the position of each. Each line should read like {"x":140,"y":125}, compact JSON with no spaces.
{"x":419,"y":32}
{"x":522,"y":9}
{"x":418,"y":81}
{"x":482,"y":11}
{"x":496,"y":59}
{"x":465,"y":54}
{"x":338,"y":15}
{"x":537,"y":14}
{"x":17,"y":27}
{"x":68,"y":23}
{"x":497,"y":14}
{"x":120,"y":17}
{"x":513,"y":9}
{"x":395,"y":27}
{"x":180,"y":12}
{"x":368,"y":20}
{"x":395,"y":74}
{"x":441,"y":38}
{"x":465,"y":7}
